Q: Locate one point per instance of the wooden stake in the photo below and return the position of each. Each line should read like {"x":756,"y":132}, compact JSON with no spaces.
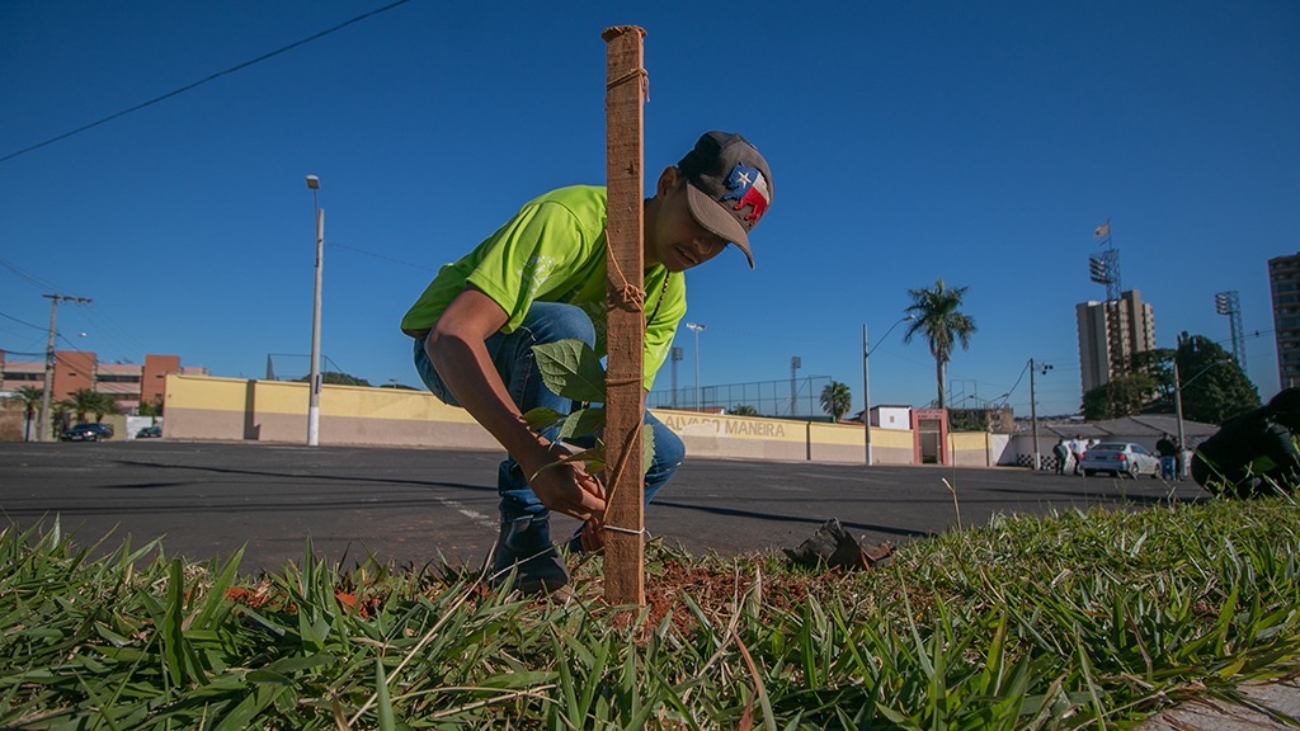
{"x":625,"y":333}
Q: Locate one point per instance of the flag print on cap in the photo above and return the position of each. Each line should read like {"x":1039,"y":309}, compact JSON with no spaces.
{"x":748,"y":188}
{"x":729,"y":187}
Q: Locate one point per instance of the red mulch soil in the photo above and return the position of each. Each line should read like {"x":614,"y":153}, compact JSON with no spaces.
{"x":715,"y":587}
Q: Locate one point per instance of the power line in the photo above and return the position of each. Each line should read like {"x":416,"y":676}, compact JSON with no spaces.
{"x":29,"y":277}
{"x":21,"y":322}
{"x":101,"y":320}
{"x":380,"y":256}
{"x":201,"y":82}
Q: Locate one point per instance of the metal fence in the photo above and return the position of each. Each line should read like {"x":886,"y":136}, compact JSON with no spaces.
{"x":789,"y":398}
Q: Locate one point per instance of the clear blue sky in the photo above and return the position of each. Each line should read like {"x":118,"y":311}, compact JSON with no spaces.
{"x":978,"y":142}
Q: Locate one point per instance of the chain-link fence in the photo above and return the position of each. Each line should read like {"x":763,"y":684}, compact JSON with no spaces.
{"x":798,"y":398}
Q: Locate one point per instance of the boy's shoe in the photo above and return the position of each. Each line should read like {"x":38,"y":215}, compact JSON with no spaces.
{"x":525,"y":546}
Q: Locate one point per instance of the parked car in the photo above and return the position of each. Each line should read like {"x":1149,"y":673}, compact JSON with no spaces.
{"x":87,"y":433}
{"x":149,"y":432}
{"x":1121,"y":459}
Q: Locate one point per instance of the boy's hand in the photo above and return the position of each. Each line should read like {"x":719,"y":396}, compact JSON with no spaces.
{"x":570,"y":490}
{"x":592,"y":536}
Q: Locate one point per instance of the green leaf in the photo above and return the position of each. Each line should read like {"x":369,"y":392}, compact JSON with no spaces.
{"x":647,"y":450}
{"x":268,"y":677}
{"x":296,"y":663}
{"x":541,"y":417}
{"x":217,"y":605}
{"x":241,"y":716}
{"x":583,"y":423}
{"x":570,"y":368}
{"x":384,"y":704}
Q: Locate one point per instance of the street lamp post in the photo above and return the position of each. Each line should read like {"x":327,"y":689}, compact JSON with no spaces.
{"x":313,"y":408}
{"x":866,"y":384}
{"x":1178,"y":408}
{"x":696,"y":328}
{"x":676,"y":356}
{"x":795,"y":363}
{"x":1178,"y":394}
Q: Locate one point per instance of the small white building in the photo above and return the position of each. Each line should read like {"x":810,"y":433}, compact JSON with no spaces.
{"x":892,"y":417}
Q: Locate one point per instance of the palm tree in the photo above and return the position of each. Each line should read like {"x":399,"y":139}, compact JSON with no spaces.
{"x":836,"y":399}
{"x":938,"y":317}
{"x":31,"y":398}
{"x":86,"y":401}
{"x":82,"y":402}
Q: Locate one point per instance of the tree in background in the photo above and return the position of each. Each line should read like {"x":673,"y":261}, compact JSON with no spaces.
{"x":85,"y":401}
{"x":1215,"y":387}
{"x":937,"y":317}
{"x":31,"y":398}
{"x":1149,"y":382}
{"x":1119,"y":397}
{"x":836,"y":399}
{"x":334,"y":378}
{"x":744,"y":410}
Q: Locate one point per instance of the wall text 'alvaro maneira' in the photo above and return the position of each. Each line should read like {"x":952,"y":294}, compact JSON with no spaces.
{"x":722,"y":426}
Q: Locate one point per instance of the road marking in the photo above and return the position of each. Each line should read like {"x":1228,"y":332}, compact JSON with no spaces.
{"x":473,"y":515}
{"x":848,"y":478}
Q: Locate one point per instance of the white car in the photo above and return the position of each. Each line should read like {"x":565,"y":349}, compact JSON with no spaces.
{"x":1121,"y":459}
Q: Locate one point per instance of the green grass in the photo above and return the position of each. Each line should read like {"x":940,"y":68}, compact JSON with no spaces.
{"x":1075,"y":620}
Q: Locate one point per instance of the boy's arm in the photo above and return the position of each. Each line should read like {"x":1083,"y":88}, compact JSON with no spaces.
{"x":456,"y":348}
{"x":1281,"y":448}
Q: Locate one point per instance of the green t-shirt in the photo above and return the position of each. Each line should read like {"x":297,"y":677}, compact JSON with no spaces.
{"x":553,"y":250}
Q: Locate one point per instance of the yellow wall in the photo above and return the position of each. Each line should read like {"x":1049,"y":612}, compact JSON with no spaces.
{"x":969,"y":449}
{"x":200,"y":407}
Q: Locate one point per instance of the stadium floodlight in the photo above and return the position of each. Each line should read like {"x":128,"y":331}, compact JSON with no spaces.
{"x":1098,"y":270}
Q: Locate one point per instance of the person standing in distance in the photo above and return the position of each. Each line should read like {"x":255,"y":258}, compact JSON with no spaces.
{"x":540,"y":278}
{"x":1077,"y":449}
{"x":1062,"y":453}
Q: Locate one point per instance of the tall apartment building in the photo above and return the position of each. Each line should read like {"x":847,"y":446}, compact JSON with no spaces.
{"x":1284,"y":286}
{"x":1137,"y":334}
{"x":129,"y":384}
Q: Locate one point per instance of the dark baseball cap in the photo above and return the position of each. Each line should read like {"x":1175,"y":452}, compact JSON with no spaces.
{"x":730,"y":186}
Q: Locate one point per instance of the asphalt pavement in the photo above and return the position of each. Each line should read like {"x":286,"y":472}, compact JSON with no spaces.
{"x":408,"y":506}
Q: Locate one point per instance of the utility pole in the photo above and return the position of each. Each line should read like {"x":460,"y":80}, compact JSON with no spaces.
{"x":43,"y":432}
{"x":1178,"y":395}
{"x":1033,"y":411}
{"x":1033,"y":414}
{"x":1178,"y":406}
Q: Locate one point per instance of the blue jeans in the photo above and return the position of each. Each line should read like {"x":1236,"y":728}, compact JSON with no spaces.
{"x":512,"y":354}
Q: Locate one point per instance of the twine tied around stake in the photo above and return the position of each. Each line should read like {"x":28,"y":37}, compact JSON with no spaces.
{"x":628,"y":297}
{"x":641,"y":74}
